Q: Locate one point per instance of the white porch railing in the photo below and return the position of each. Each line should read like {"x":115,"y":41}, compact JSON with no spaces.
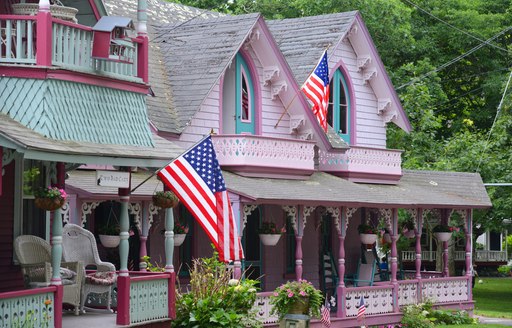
{"x":71,"y":48}
{"x":378,"y":300}
{"x":410,"y":256}
{"x":491,"y":256}
{"x":480,"y":256}
{"x":445,"y":290}
{"x":362,"y":160}
{"x":263,"y":308}
{"x":149,"y":299}
{"x":263,"y":153}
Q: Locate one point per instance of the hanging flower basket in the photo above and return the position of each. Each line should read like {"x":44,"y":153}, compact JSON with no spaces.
{"x":110,"y":241}
{"x":268,"y":239}
{"x":179,"y":239}
{"x":443,"y":236}
{"x":408,"y":234}
{"x":165,"y":199}
{"x":49,"y":204}
{"x":368,"y":239}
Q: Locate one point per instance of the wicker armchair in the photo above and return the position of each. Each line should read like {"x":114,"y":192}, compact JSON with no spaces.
{"x":79,"y":244}
{"x":34,"y":255}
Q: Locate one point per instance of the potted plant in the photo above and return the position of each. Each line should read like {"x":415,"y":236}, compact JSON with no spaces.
{"x":109,"y":234}
{"x":50,"y":198}
{"x":443,"y":232}
{"x":296,"y":297}
{"x":367,"y":233}
{"x":165,"y":199}
{"x":386,"y":236}
{"x":408,"y":228}
{"x":269,"y":233}
{"x":180,"y":232}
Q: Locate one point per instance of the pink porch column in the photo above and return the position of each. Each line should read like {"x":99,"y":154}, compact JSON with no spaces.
{"x":144,"y":231}
{"x":444,"y":220}
{"x":469,"y":252}
{"x":1,"y":166}
{"x":419,"y":228}
{"x":342,"y":232}
{"x":142,"y":50}
{"x":44,"y":34}
{"x":394,"y":258}
{"x":298,"y":257}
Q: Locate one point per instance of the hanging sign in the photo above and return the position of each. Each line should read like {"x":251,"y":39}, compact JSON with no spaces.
{"x":113,"y":179}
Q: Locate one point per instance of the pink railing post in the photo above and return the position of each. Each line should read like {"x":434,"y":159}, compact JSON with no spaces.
{"x":172,"y":295}
{"x":123,"y":300}
{"x":394,"y":258}
{"x":342,"y":312}
{"x":59,"y":295}
{"x":469,"y":251}
{"x":44,"y":37}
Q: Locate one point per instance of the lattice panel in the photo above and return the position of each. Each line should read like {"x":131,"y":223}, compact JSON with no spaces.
{"x":27,"y":311}
{"x":148,"y":300}
{"x":407,"y":293}
{"x":377,"y":300}
{"x":445,"y":290}
{"x":263,"y":307}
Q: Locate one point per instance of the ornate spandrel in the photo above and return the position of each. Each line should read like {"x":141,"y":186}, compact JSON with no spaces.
{"x":87,"y":208}
{"x":152,"y":211}
{"x":247,"y":210}
{"x":291,"y":212}
{"x":64,"y":211}
{"x":135,"y":209}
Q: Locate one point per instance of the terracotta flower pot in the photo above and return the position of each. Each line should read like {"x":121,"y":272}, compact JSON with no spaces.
{"x":49,"y":204}
{"x":164,"y":202}
{"x":269,"y":239}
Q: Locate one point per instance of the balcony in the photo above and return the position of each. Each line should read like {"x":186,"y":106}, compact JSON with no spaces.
{"x":362,"y":164}
{"x":251,"y":155}
{"x":66,"y":45}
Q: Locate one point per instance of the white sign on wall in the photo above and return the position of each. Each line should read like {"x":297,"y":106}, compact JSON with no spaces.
{"x":113,"y":179}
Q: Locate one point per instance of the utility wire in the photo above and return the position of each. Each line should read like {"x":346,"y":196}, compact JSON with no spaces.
{"x":454,"y":60}
{"x":455,"y":27}
{"x":494,"y":122}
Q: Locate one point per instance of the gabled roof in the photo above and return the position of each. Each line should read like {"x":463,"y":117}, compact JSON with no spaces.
{"x":196,"y":53}
{"x":108,"y":23}
{"x":299,"y":37}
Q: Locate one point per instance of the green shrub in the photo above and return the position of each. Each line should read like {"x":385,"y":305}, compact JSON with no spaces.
{"x":505,"y":269}
{"x":216,"y":300}
{"x":424,"y":316}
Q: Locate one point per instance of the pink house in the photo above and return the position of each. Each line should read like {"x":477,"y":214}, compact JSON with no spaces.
{"x":186,"y":73}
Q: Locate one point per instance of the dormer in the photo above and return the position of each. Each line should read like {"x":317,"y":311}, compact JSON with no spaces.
{"x":111,"y":41}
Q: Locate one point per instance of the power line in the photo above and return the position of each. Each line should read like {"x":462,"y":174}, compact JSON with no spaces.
{"x":494,"y":122}
{"x":454,"y":60}
{"x":455,"y":27}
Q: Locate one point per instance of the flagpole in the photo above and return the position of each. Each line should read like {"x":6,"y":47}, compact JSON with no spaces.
{"x":154,"y":173}
{"x":295,"y":96}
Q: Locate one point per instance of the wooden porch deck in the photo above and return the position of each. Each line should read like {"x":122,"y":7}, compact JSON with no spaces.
{"x":91,"y":318}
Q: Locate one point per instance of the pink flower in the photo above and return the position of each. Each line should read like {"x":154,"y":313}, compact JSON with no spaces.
{"x":302,"y":293}
{"x":276,"y":294}
{"x":290,"y":294}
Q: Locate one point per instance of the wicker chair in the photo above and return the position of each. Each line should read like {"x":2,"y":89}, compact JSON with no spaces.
{"x":79,"y":244}
{"x":34,"y":255}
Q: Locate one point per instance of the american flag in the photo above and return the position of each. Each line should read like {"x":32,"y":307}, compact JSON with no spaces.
{"x":196,"y":178}
{"x":361,"y":310}
{"x":326,"y":314}
{"x":316,"y":88}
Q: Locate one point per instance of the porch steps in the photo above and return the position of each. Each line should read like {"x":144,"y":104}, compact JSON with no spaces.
{"x":329,"y":275}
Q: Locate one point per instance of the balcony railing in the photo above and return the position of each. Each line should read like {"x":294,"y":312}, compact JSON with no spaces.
{"x":480,"y":256}
{"x":257,"y":154}
{"x":71,"y":48}
{"x":363,"y":164}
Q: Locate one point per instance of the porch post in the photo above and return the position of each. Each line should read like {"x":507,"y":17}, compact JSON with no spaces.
{"x":44,"y":34}
{"x":469,"y":252}
{"x":237,"y":271}
{"x":169,"y":237}
{"x":142,"y":49}
{"x":1,"y":168}
{"x":144,"y":232}
{"x":56,"y":238}
{"x":124,"y":194}
{"x":419,"y":228}
{"x":394,"y":258}
{"x":299,"y":232}
{"x":342,"y":232}
{"x":444,"y":220}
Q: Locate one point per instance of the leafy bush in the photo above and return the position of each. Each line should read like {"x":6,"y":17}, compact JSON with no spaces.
{"x":505,"y":269}
{"x":423,"y":316}
{"x":216,"y":300}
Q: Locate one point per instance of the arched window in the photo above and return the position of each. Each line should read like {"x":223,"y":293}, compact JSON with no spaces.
{"x":338,"y":111}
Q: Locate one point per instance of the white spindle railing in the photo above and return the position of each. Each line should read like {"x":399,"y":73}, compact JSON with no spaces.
{"x":17,"y":40}
{"x":410,"y":256}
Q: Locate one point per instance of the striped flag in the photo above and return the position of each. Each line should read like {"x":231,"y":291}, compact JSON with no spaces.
{"x":196,"y":178}
{"x":326,"y":314}
{"x":361,"y":310}
{"x":316,"y":88}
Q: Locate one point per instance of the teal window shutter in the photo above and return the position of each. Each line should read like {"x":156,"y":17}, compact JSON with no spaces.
{"x":338,"y":111}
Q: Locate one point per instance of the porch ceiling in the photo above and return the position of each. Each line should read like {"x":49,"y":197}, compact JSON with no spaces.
{"x":35,"y":146}
{"x":426,"y":189}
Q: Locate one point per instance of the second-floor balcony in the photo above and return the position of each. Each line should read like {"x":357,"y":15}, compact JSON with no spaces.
{"x":264,"y":156}
{"x":24,"y":42}
{"x":362,"y":164}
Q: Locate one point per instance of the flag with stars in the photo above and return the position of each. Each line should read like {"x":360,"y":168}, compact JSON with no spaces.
{"x":196,"y":178}
{"x":316,"y":88}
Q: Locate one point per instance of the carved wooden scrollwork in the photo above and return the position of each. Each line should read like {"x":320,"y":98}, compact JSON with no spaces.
{"x":87,"y":208}
{"x":247,"y":210}
{"x":291,"y":212}
{"x":136,"y":210}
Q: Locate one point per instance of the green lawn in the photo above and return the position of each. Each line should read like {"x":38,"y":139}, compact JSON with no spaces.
{"x":493,"y":297}
{"x":473,"y":326}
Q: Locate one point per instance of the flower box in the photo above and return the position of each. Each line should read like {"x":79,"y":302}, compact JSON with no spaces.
{"x":179,"y":239}
{"x":268,"y":239}
{"x":368,"y":239}
{"x":110,"y":241}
